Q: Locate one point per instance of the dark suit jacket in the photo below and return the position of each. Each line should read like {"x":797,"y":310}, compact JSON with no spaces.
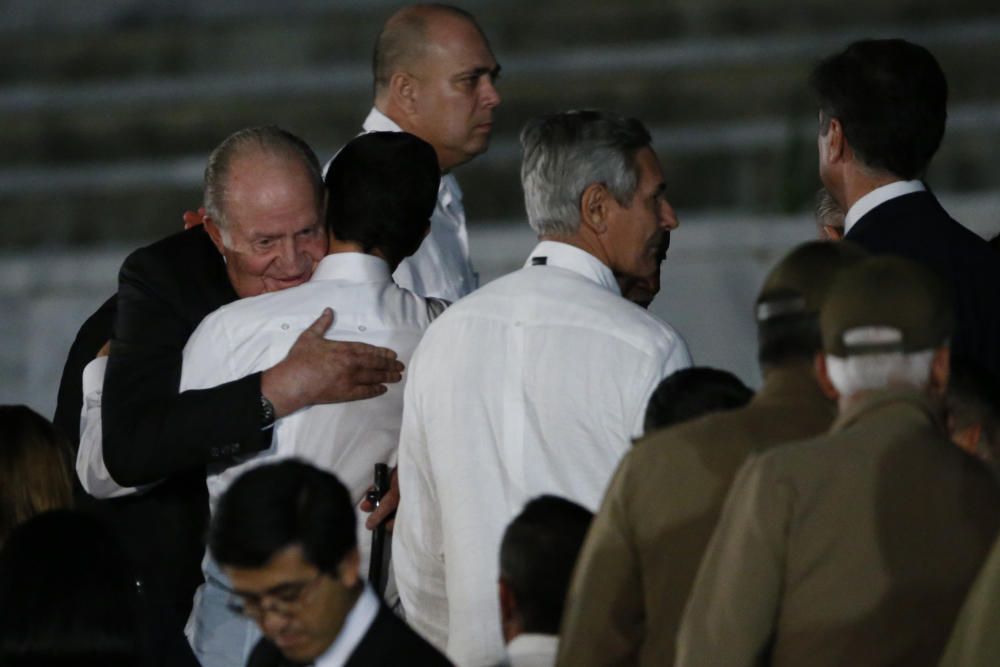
{"x":150,"y":430}
{"x":915,"y":226}
{"x":94,"y":333}
{"x":389,"y":642}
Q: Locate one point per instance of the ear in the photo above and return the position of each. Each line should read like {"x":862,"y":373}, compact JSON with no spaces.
{"x":214,"y":233}
{"x":594,"y":207}
{"x":833,"y":232}
{"x":349,"y":569}
{"x":403,"y":92}
{"x":508,"y":601}
{"x":836,"y":142}
{"x":940,"y":371}
{"x":823,"y":378}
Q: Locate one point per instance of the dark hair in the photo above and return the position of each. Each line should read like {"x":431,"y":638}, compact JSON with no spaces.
{"x":693,"y":392}
{"x":278,"y":505}
{"x":537,"y":555}
{"x":891,"y":98}
{"x":34,"y":467}
{"x":383,"y":188}
{"x":788,"y":338}
{"x":67,"y":595}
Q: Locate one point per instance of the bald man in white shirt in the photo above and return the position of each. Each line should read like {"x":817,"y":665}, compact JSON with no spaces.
{"x":535,"y":383}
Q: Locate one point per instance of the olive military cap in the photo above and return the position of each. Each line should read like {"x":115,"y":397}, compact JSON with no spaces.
{"x":885,"y":304}
{"x":798,"y":284}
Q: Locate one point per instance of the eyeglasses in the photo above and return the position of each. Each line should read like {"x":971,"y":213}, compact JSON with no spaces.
{"x":284,"y":599}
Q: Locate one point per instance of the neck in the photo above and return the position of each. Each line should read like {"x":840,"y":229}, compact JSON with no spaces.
{"x":860,"y":180}
{"x":337,"y":246}
{"x":397,"y":116}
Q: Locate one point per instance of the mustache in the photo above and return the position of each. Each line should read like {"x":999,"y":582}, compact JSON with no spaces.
{"x":663,"y":246}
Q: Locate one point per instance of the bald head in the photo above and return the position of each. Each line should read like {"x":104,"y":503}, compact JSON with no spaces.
{"x":405,"y":37}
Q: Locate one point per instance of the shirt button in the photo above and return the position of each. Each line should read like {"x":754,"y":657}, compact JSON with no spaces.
{"x":362,"y":327}
{"x":284,"y":327}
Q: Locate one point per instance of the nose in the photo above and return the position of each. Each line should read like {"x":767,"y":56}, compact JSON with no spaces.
{"x":668,"y":216}
{"x":271,"y":622}
{"x":490,"y":96}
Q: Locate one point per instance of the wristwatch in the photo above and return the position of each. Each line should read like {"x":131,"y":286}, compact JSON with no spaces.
{"x":266,"y":413}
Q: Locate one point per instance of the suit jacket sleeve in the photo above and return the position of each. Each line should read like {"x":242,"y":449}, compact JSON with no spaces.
{"x":729,"y":618}
{"x":604,"y":618}
{"x":95,"y":332}
{"x":150,"y":429}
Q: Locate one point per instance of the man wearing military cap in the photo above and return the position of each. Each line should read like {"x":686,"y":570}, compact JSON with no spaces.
{"x":642,"y":553}
{"x":856,"y":547}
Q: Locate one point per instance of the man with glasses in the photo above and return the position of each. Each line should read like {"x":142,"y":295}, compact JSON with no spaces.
{"x":284,"y":535}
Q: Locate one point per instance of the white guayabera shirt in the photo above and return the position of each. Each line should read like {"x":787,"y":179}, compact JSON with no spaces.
{"x":535,"y":383}
{"x":346,"y":439}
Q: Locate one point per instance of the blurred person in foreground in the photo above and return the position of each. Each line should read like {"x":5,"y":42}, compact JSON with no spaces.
{"x":641,"y":556}
{"x":537,"y":554}
{"x":570,"y":366}
{"x":856,"y":547}
{"x":69,"y":598}
{"x":34,"y":467}
{"x":285,"y":536}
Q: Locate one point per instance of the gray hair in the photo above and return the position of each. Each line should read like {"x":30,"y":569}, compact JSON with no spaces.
{"x":565,"y":153}
{"x":266,"y":140}
{"x":854,"y":374}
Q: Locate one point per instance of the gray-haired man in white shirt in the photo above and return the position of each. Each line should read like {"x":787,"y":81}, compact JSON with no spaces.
{"x":537,"y":382}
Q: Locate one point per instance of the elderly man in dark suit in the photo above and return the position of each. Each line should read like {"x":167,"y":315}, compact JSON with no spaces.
{"x":284,"y":535}
{"x":265,"y":232}
{"x":882,"y":117}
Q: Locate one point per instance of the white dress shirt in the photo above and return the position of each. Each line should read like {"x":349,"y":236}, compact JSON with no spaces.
{"x":441,"y":266}
{"x":879,"y":196}
{"x":532,"y":650}
{"x":535,"y":383}
{"x":346,"y":439}
{"x":90,"y":468}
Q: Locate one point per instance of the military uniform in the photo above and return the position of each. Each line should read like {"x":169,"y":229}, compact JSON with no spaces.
{"x":641,"y":555}
{"x":855,"y":548}
{"x":975,"y":641}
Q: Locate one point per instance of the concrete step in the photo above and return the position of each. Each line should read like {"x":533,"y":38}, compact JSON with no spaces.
{"x":662,"y":82}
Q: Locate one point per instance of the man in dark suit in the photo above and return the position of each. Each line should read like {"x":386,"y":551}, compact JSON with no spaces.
{"x":155,"y":434}
{"x":284,"y":534}
{"x":882,"y":117}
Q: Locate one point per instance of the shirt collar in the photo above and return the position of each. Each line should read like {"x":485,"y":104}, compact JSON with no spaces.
{"x":879,"y":196}
{"x":379,"y":122}
{"x":354,"y":267}
{"x":356,"y":626}
{"x":577,"y":260}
